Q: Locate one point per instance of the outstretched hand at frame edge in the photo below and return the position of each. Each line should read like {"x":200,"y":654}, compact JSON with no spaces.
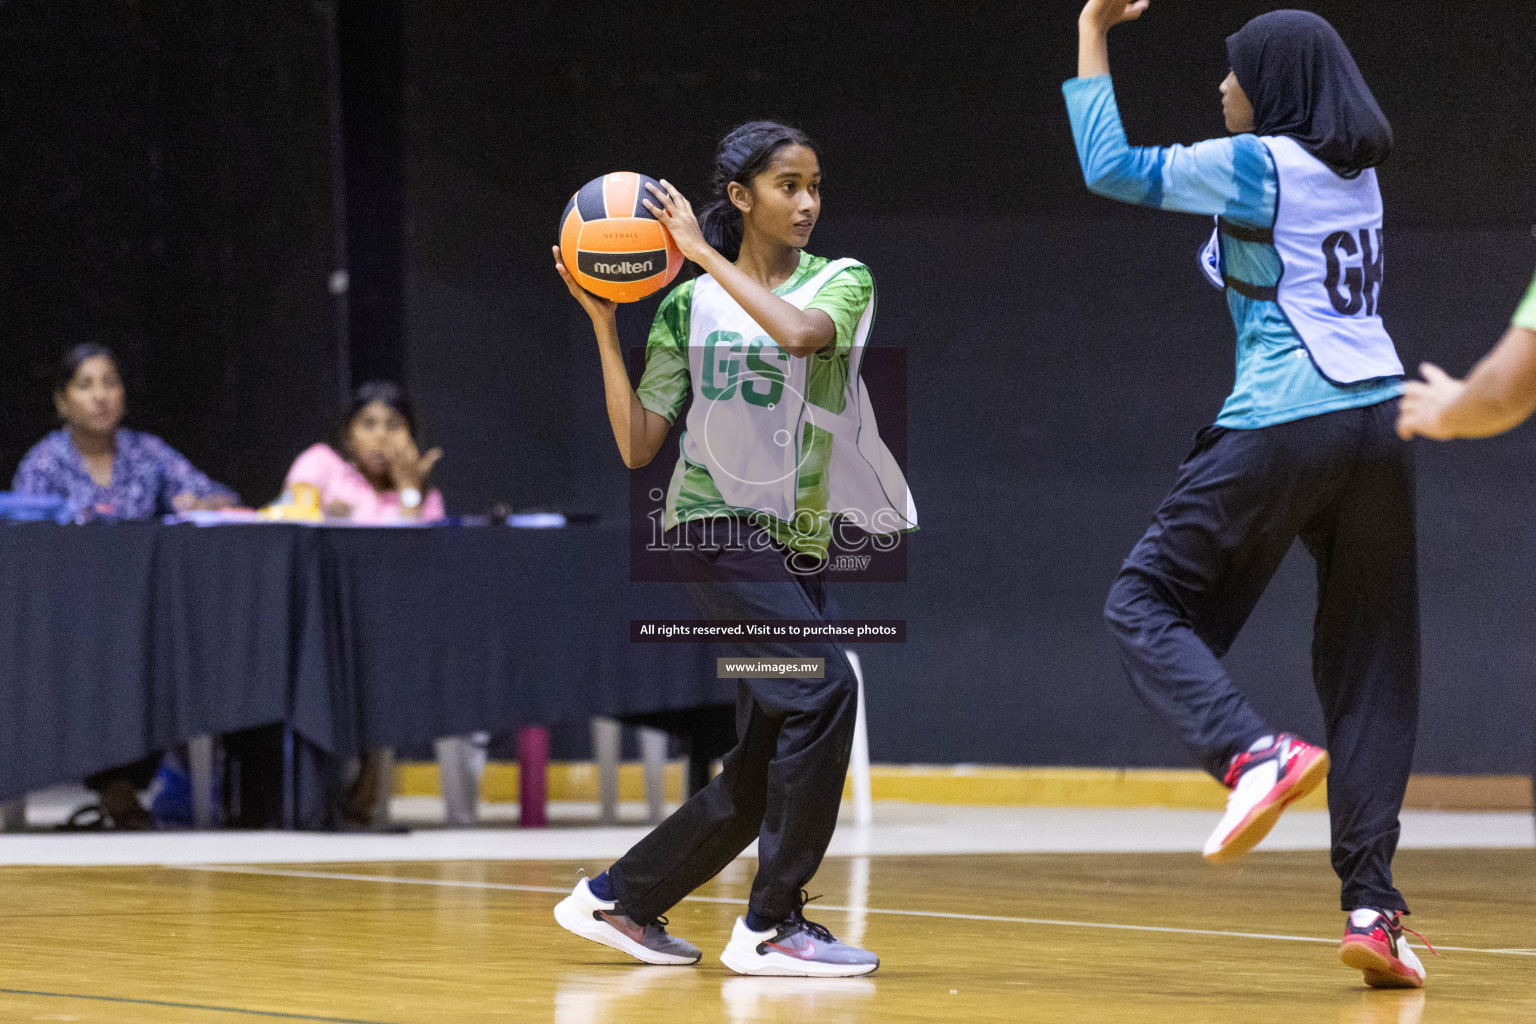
{"x":1103,"y":15}
{"x":1498,"y":395}
{"x":1424,"y":402}
{"x":1093,"y":25}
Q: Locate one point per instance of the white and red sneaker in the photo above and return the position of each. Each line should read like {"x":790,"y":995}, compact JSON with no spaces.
{"x":1263,"y":783}
{"x":1374,"y":943}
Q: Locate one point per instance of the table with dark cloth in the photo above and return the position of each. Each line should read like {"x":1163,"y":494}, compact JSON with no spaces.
{"x":117,"y":639}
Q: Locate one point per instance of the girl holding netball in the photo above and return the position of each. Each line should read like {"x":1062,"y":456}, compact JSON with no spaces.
{"x":767,"y":342}
{"x":1304,"y":447}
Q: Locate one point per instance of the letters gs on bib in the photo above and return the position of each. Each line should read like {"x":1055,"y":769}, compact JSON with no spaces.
{"x":613,"y":245}
{"x":761,"y":382}
{"x":1361,"y":281}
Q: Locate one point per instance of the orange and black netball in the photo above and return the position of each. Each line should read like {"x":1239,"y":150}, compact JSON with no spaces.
{"x":613,"y":245}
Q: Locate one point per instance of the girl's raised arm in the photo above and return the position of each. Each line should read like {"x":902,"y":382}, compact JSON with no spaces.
{"x":1093,"y":25}
{"x":638,"y":431}
{"x":1230,"y":177}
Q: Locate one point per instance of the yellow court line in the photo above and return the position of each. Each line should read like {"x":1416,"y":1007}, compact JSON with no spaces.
{"x":964,"y":785}
{"x":235,"y":869}
{"x":992,"y":785}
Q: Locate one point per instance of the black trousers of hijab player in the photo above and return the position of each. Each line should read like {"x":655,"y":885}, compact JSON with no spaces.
{"x":1343,"y":483}
{"x":783,"y":782}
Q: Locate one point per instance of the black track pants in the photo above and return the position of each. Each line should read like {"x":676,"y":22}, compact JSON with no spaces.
{"x":783,"y":782}
{"x":1343,"y":483}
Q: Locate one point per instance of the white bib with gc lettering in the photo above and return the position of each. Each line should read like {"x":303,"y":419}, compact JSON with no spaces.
{"x":750,"y":421}
{"x":1328,"y":234}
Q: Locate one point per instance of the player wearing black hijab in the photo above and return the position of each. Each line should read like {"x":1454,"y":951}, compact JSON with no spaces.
{"x":1303,"y":448}
{"x":1303,"y":83}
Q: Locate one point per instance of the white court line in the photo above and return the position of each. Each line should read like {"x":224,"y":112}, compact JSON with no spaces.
{"x":234,"y":869}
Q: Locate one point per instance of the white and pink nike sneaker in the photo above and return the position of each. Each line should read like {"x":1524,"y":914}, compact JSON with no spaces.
{"x":1263,"y":783}
{"x":1374,"y":943}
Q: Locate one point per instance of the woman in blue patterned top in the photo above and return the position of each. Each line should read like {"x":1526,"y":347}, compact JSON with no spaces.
{"x":1304,"y":447}
{"x":103,"y":470}
{"x":100,"y":468}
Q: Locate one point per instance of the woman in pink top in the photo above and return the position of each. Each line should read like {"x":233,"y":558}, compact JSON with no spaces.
{"x":379,"y":475}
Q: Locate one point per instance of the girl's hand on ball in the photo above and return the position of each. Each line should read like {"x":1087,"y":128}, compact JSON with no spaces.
{"x":1103,"y":15}
{"x":676,"y":215}
{"x":600,"y":310}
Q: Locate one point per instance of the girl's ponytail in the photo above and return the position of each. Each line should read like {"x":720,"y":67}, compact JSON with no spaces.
{"x":720,"y":222}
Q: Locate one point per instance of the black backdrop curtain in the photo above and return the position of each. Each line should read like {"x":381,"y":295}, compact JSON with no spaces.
{"x":171,"y":183}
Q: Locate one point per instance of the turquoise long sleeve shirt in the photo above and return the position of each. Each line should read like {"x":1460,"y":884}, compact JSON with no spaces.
{"x":1234,"y":178}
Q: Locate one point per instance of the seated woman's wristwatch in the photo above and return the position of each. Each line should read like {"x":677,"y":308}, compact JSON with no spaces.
{"x":410,"y":499}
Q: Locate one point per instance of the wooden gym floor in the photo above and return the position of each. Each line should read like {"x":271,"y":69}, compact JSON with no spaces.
{"x":1023,"y":937}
